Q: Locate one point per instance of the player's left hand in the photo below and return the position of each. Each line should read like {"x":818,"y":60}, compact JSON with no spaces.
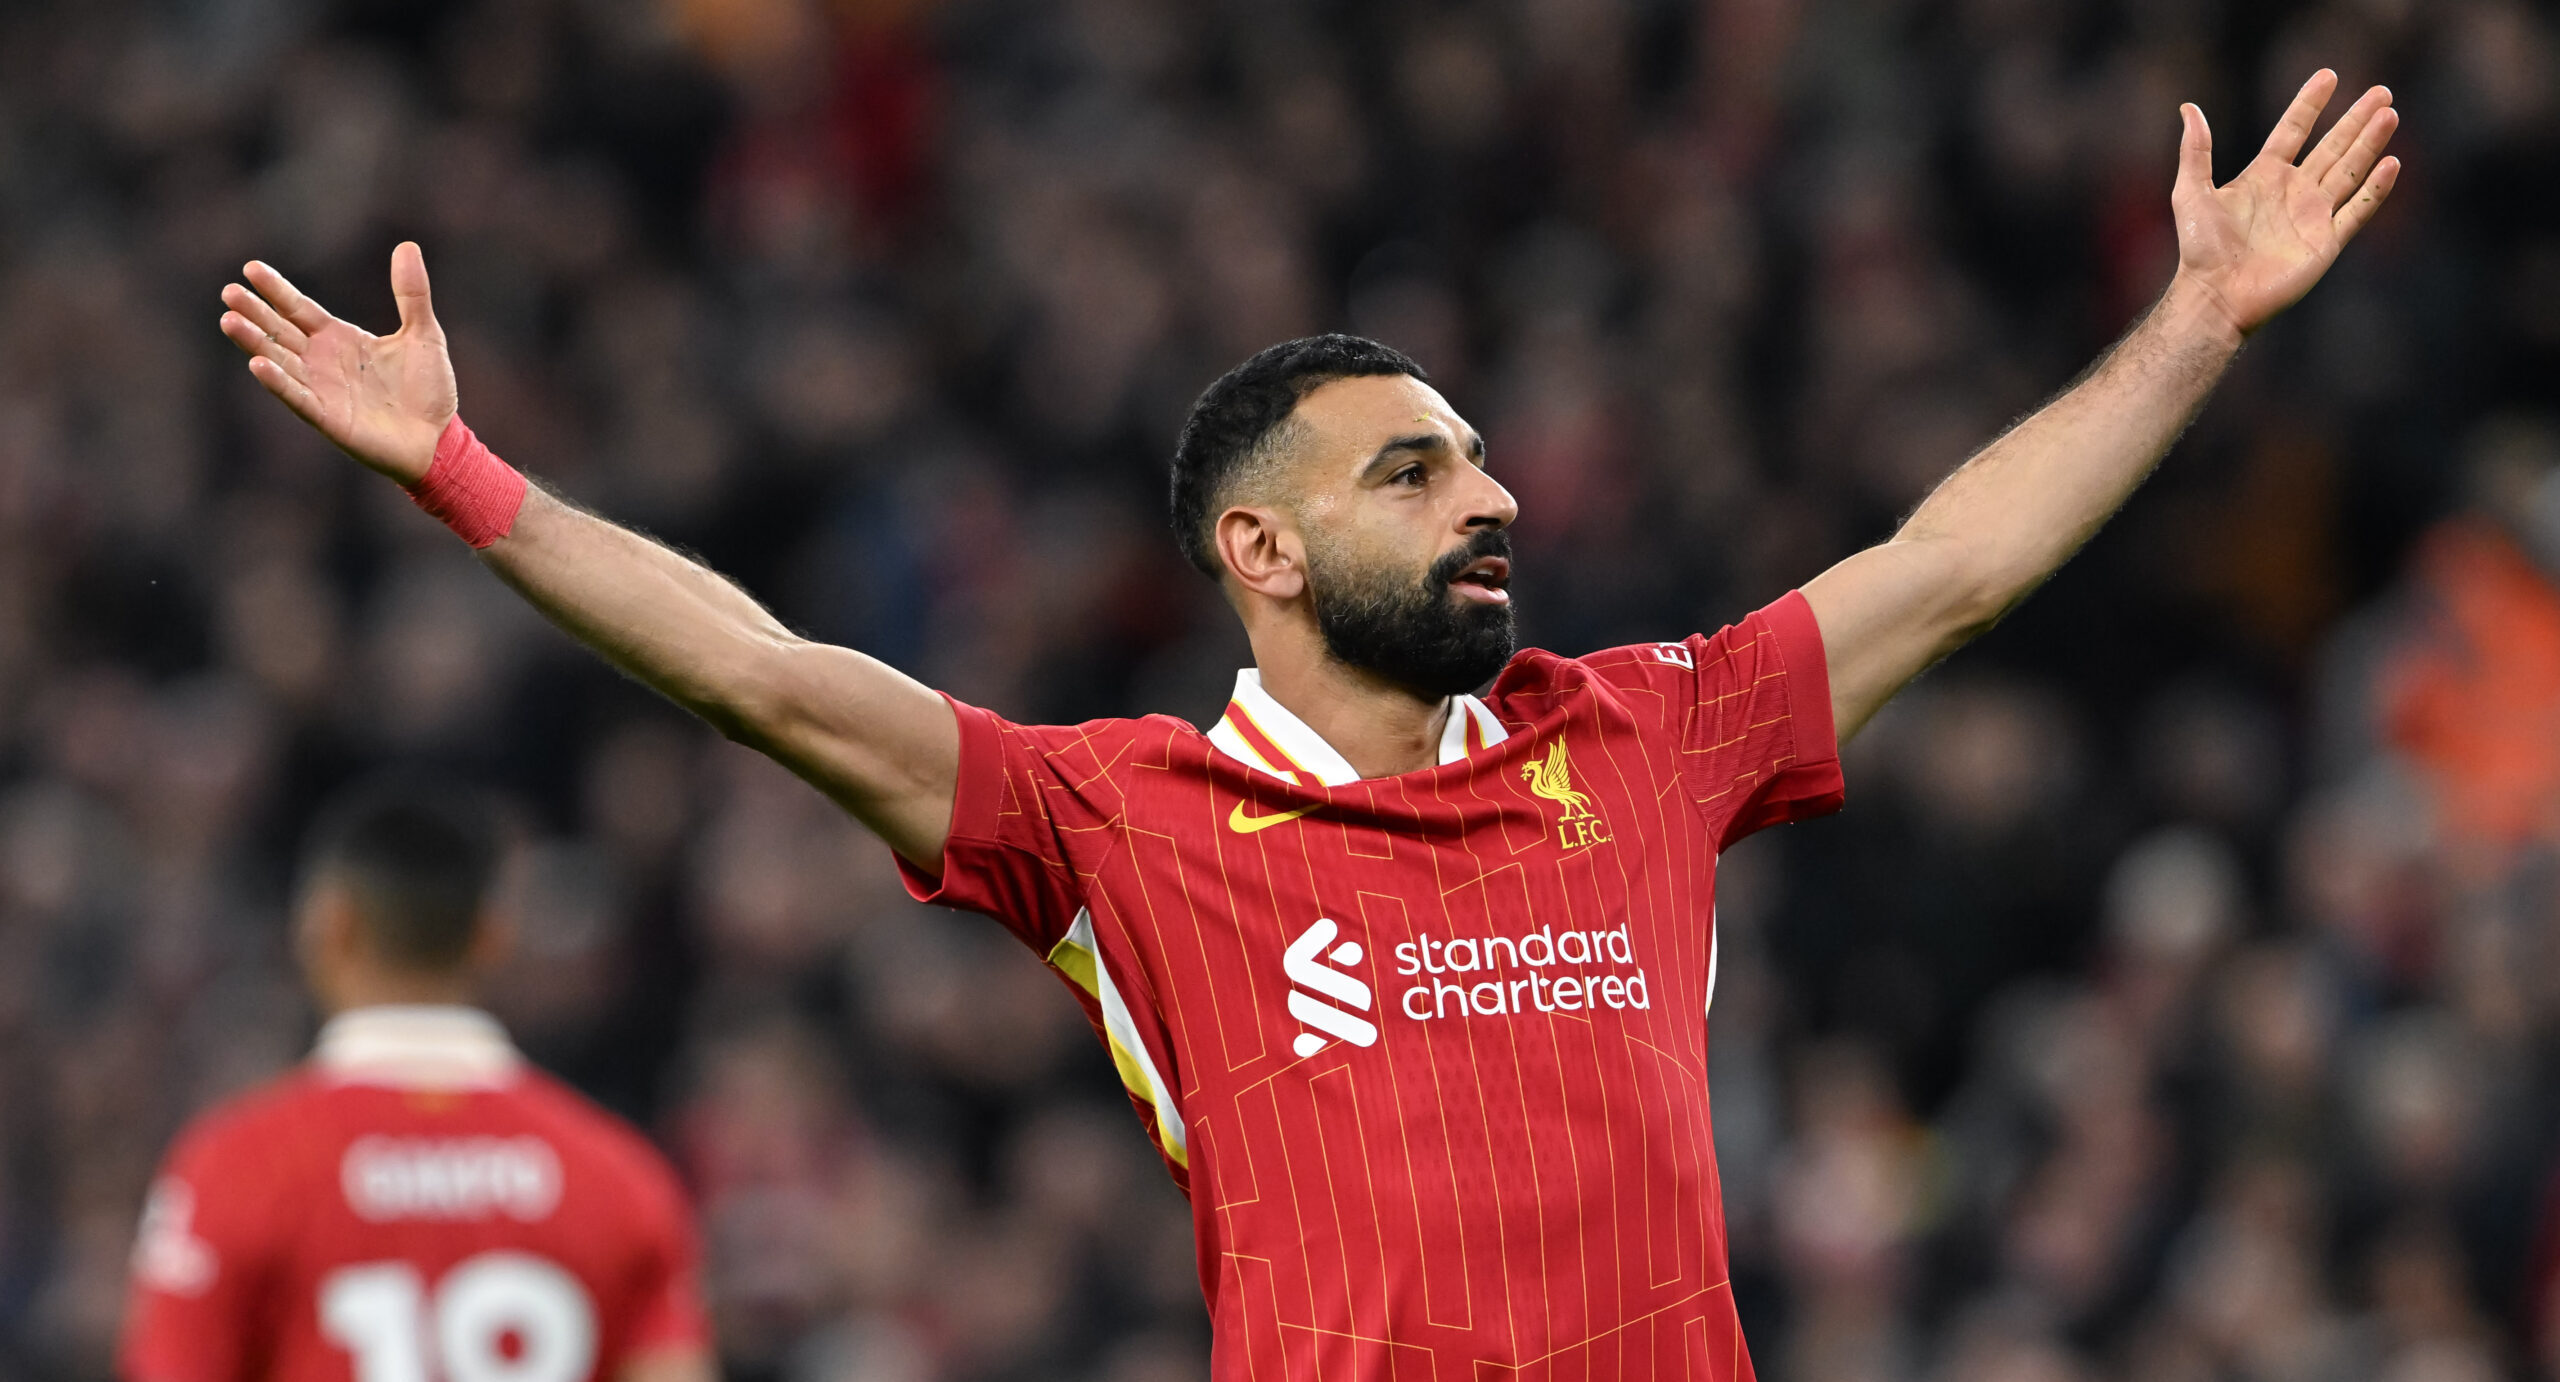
{"x":2257,"y":243}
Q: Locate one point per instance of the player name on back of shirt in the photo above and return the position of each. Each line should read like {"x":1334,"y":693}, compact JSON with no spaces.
{"x":387,"y":1178}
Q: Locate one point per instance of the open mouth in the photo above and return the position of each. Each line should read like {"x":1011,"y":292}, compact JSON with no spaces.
{"x":1486,"y":578}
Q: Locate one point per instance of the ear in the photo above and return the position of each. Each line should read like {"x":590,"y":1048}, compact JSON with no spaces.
{"x":324,"y":937}
{"x":1263,"y":552}
{"x":492,"y":941}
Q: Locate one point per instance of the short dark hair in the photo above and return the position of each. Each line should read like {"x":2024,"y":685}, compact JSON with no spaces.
{"x":418,"y":850}
{"x":1235,"y":416}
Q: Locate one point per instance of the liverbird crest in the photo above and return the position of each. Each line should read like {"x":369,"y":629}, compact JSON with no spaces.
{"x":1552,"y":777}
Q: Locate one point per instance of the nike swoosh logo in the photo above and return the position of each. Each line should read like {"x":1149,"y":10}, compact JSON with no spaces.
{"x":1243,"y":824}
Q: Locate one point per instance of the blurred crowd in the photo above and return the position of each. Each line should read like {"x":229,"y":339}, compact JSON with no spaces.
{"x":2177,"y":998}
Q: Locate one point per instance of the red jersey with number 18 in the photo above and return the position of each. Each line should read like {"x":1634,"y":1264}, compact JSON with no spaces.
{"x":416,"y":1204}
{"x":1428,"y":1052}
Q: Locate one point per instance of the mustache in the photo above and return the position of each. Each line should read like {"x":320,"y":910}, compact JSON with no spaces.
{"x":1487,"y":542}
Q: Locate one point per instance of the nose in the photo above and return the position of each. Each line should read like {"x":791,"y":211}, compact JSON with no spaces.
{"x":1487,"y":503}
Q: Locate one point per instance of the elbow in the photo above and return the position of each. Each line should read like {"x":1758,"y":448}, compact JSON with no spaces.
{"x":1972,"y":618}
{"x":735,"y":725}
{"x":1960,"y":592}
{"x":1973,"y":603}
{"x":753,"y":703}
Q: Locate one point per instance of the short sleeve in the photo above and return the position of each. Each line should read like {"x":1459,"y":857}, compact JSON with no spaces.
{"x":1022,"y":792}
{"x":1754,"y":703}
{"x":199,"y":1264}
{"x":669,"y":1316}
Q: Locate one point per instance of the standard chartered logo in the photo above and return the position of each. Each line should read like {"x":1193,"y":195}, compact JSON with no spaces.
{"x":1546,"y":971}
{"x":1306,"y":971}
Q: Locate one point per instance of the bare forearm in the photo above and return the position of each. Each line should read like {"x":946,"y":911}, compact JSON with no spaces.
{"x":656,"y":614}
{"x":2026,"y":503}
{"x":2247,"y":249}
{"x":879,"y":742}
{"x":2003,"y":522}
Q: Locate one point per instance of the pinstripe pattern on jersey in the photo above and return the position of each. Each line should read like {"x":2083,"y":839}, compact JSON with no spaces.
{"x":1488,"y":1190}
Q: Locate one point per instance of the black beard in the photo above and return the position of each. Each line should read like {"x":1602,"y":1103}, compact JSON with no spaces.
{"x":1416,"y":635}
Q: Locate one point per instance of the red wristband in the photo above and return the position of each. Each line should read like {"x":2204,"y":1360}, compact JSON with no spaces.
{"x":469,"y":488}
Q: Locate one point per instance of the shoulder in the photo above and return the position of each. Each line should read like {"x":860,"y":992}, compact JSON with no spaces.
{"x":1661,"y":683}
{"x":248,"y":1130}
{"x":595,"y":1139}
{"x":1070,"y":754}
{"x":1773,"y":638}
{"x":1094,"y":735}
{"x":1537,"y":682}
{"x":214,"y":1196}
{"x":1535,"y":671}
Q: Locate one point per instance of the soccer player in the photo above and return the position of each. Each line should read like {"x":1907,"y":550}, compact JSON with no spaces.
{"x":416,"y":1203}
{"x":1405,"y":973}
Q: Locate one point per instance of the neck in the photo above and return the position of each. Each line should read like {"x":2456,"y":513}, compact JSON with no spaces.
{"x":1382,"y":729}
{"x":377,"y":988}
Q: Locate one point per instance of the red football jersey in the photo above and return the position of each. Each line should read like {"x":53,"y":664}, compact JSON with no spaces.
{"x":416,"y":1204}
{"x":1428,"y":1051}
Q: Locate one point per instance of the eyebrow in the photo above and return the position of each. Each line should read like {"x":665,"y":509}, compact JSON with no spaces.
{"x":1419,"y":441}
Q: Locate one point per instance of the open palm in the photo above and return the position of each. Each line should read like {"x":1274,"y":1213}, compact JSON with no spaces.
{"x":2259,"y":242}
{"x":383,"y":399}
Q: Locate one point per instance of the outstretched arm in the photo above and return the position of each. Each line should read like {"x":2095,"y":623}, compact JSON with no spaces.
{"x":874,"y":739}
{"x":1996,"y":528}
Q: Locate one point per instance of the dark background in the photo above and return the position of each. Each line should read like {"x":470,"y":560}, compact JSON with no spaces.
{"x":2174,"y":1000}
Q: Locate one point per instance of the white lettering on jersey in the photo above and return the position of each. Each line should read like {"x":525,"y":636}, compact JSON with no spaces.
{"x":1301,"y":964}
{"x":1472,"y":976}
{"x":167,"y":1254}
{"x":388,"y":1178}
{"x":1675,"y":654}
{"x":498,"y":1317}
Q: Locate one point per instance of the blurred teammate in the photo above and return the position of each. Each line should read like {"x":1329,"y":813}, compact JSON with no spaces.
{"x":416,"y":1203}
{"x":1406,"y":982}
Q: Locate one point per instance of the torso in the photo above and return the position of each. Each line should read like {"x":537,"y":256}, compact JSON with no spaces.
{"x":346,"y":1232}
{"x":1429,"y":1050}
{"x":1508,"y":1140}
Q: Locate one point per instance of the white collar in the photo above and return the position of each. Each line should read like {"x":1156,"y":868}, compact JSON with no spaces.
{"x":1262,"y":734}
{"x":416,"y":1046}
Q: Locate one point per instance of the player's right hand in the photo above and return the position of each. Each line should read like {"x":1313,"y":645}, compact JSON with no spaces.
{"x":383,"y":399}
